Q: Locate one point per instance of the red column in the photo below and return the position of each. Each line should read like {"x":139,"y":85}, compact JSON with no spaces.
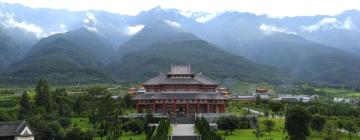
{"x":164,"y":111}
{"x":187,"y":108}
{"x":154,"y":107}
{"x":174,"y":106}
{"x":208,"y":108}
{"x":198,"y":108}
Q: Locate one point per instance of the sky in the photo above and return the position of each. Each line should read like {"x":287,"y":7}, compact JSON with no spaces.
{"x":273,"y":8}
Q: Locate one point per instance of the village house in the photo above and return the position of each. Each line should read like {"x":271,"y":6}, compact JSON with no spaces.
{"x":15,"y":131}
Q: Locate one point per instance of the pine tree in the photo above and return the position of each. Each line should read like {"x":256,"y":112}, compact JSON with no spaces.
{"x":25,"y":106}
{"x":43,"y":95}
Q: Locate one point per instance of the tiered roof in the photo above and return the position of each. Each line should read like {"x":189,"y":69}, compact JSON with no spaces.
{"x":170,"y":95}
{"x":180,"y":74}
{"x":163,"y":79}
{"x":180,"y":70}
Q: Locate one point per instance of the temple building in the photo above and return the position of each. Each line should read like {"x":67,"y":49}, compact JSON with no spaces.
{"x":181,"y":92}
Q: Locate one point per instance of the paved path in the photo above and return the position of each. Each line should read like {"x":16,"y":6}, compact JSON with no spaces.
{"x":184,"y":130}
{"x":262,"y":113}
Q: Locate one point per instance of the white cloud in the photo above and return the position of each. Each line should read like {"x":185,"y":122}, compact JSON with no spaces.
{"x":62,"y":29}
{"x":268,"y":29}
{"x":274,"y":8}
{"x":205,"y":17}
{"x":11,"y":22}
{"x":330,"y":23}
{"x":348,"y":24}
{"x":173,"y":23}
{"x":90,"y":22}
{"x":134,"y":29}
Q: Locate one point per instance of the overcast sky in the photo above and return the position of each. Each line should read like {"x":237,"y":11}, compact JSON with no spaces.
{"x":274,"y":8}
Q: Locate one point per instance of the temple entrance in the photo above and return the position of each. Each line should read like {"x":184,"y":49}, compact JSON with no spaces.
{"x":181,"y":111}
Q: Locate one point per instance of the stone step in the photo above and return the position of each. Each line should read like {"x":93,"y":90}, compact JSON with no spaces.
{"x":184,"y":138}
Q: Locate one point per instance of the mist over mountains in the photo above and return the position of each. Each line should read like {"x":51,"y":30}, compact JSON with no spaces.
{"x":100,"y":47}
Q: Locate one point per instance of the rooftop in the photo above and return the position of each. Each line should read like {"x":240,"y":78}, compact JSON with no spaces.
{"x":198,"y":79}
{"x":12,"y":128}
{"x":197,"y":95}
{"x":180,"y":69}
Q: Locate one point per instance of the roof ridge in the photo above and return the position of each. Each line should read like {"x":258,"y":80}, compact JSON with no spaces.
{"x":22,"y":123}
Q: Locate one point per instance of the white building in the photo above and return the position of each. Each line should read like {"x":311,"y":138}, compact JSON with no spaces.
{"x":294,"y":98}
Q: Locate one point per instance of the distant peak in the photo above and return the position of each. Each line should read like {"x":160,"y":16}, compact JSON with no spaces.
{"x":157,"y":8}
{"x":164,"y":26}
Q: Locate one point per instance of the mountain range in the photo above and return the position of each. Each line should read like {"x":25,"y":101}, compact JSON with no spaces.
{"x":100,"y":47}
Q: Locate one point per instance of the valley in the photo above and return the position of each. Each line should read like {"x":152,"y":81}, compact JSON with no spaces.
{"x":94,"y":74}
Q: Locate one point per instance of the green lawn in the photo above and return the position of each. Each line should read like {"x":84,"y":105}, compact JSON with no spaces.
{"x":128,"y":136}
{"x":247,"y":134}
{"x":279,"y":123}
{"x":339,"y":92}
{"x":82,"y":123}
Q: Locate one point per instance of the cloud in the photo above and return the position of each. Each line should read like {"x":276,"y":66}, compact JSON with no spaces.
{"x":90,"y":22}
{"x":62,"y":29}
{"x":173,"y":23}
{"x":330,"y":23}
{"x":274,"y":8}
{"x":11,"y":22}
{"x":348,"y":24}
{"x":268,"y":29}
{"x":134,"y":29}
{"x":205,"y":17}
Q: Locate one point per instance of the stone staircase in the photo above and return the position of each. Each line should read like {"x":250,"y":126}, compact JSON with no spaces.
{"x":184,"y":132}
{"x":184,"y":138}
{"x":182,"y":120}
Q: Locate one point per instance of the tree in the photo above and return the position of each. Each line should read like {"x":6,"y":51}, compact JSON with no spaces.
{"x":135,"y":126}
{"x":318,"y":122}
{"x":258,"y":100}
{"x":4,"y":116}
{"x":269,"y":125}
{"x":297,"y":123}
{"x":128,"y":102}
{"x":77,"y":134}
{"x":258,"y":133}
{"x":61,"y":102}
{"x":149,"y":118}
{"x":43,"y":96}
{"x":276,"y":106}
{"x":229,"y":123}
{"x":25,"y":106}
{"x":78,"y":106}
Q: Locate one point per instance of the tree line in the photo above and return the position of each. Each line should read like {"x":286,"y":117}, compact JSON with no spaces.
{"x":49,"y":113}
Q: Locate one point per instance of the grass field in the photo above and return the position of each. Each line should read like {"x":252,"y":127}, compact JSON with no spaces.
{"x":247,"y":134}
{"x":82,"y":123}
{"x":128,"y":136}
{"x":339,"y":92}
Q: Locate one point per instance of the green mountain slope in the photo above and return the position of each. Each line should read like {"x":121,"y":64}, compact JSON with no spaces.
{"x":86,"y":40}
{"x":304,"y":59}
{"x":61,"y":61}
{"x":203,"y":57}
{"x":9,"y":50}
{"x":152,"y":33}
